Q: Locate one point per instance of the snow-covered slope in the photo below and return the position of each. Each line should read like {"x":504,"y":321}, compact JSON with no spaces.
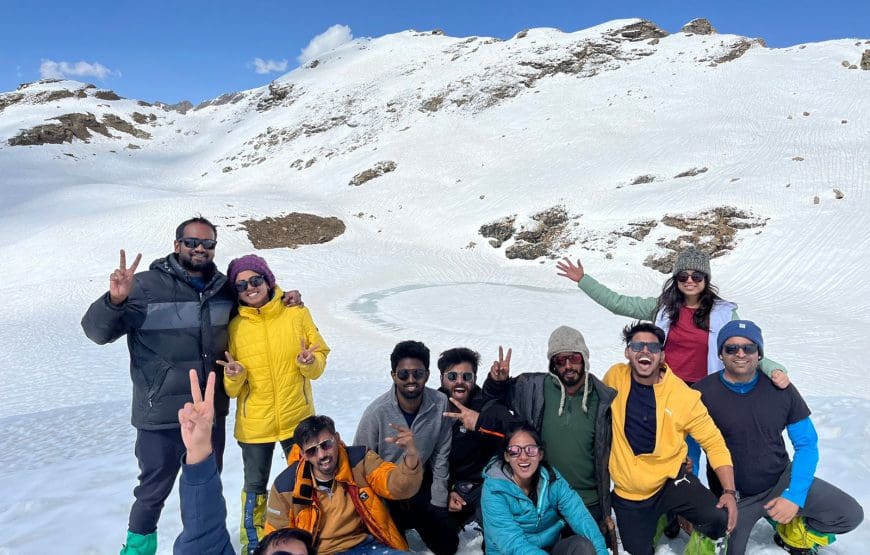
{"x":478,"y":129}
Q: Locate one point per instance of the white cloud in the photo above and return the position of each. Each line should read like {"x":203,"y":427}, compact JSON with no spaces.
{"x":324,"y":42}
{"x":49,"y":69}
{"x":268,"y":66}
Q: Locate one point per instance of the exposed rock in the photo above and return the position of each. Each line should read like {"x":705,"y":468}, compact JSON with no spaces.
{"x":838,"y":194}
{"x":522,"y":34}
{"x":313,"y":64}
{"x":292,"y":230}
{"x":641,"y":30}
{"x":526,"y":251}
{"x":181,"y":107}
{"x":865,"y":60}
{"x":798,"y":158}
{"x":113,"y":121}
{"x":143,"y":103}
{"x":142,"y":118}
{"x":379,"y":169}
{"x":699,"y":26}
{"x":433,"y":104}
{"x":499,"y":230}
{"x":642,"y":179}
{"x":71,"y":126}
{"x":227,"y":98}
{"x":652,"y":42}
{"x":638,"y":230}
{"x":816,"y":199}
{"x":691,"y":173}
{"x":131,"y":146}
{"x":9,"y":99}
{"x":277,"y":95}
{"x":712,"y":231}
{"x":106,"y":95}
{"x":439,"y":32}
{"x":736,"y":50}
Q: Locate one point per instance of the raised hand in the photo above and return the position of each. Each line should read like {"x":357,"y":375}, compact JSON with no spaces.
{"x":196,"y":419}
{"x":306,"y":354}
{"x":405,"y":439}
{"x":569,"y":270}
{"x":292,"y":298}
{"x":465,"y":415}
{"x":501,"y":368}
{"x":232,"y":367}
{"x":121,"y":280}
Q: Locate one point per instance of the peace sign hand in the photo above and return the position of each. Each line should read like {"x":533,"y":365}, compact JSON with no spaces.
{"x":467,"y":416}
{"x":306,"y":355}
{"x":232,"y":367}
{"x":196,"y":419}
{"x":501,"y":368}
{"x":121,"y":280}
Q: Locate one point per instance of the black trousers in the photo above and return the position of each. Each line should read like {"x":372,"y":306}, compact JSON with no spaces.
{"x":683,"y":495}
{"x":257,"y":461}
{"x":434,"y":525}
{"x":159,"y":454}
{"x":470,"y":493}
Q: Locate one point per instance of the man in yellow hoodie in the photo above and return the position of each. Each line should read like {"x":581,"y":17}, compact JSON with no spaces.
{"x":652,"y":414}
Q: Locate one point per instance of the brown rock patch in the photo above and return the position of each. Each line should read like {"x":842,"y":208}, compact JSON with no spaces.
{"x":292,"y":230}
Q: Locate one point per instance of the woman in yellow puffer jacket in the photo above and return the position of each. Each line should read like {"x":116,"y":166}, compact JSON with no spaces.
{"x":274,"y":353}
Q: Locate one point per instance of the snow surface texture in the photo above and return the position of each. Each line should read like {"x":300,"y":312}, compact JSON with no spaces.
{"x":503,"y":139}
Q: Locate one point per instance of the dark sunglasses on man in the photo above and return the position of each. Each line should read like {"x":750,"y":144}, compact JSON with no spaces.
{"x":193,"y":242}
{"x":749,"y":349}
{"x":651,"y":346}
{"x":324,"y":445}
{"x":573,"y":358}
{"x":404,"y":374}
{"x":453,"y":376}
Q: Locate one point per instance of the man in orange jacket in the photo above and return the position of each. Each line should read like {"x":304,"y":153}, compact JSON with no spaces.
{"x":336,"y":492}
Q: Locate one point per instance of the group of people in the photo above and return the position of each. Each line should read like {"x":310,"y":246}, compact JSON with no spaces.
{"x":539,"y":461}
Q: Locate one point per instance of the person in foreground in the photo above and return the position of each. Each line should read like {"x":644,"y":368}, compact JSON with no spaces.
{"x":203,"y":507}
{"x":526,"y":504}
{"x":337,"y":492}
{"x":752,"y":414}
{"x":652,"y":413}
{"x":275,"y":352}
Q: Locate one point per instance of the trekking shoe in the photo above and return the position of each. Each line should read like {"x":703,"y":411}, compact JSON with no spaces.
{"x":139,"y":544}
{"x":699,"y":544}
{"x":799,"y":539}
{"x":672,"y":530}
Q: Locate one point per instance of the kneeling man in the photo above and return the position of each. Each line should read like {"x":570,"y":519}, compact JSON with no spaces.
{"x":752,"y":413}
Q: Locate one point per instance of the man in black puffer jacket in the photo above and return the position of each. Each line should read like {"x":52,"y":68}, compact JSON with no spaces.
{"x":175,"y":317}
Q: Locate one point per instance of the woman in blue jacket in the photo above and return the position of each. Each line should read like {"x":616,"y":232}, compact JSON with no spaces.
{"x":526,"y":504}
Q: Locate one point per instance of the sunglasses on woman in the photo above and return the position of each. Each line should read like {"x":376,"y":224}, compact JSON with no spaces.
{"x":514,"y":451}
{"x":697,"y":277}
{"x":255,"y":281}
{"x":750,"y":349}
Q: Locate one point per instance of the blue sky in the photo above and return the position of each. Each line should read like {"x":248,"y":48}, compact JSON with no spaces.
{"x":198,"y":49}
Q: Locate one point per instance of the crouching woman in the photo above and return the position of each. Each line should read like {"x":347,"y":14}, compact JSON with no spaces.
{"x":526,"y":503}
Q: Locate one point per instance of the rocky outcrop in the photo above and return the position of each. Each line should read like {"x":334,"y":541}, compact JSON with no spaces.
{"x":865,"y":60}
{"x":75,"y":126}
{"x":641,"y":30}
{"x":378,"y":170}
{"x":292,"y":230}
{"x":699,"y":26}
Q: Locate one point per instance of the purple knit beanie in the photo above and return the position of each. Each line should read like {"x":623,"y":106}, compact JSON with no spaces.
{"x":253,"y":263}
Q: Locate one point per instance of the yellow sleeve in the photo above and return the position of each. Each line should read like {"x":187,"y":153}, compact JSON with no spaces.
{"x":312,"y":337}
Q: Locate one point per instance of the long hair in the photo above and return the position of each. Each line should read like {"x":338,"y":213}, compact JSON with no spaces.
{"x":672,"y":300}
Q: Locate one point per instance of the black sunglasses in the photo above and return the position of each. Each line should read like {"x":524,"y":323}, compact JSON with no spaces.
{"x":403,"y":374}
{"x":255,"y":281}
{"x":697,"y":277}
{"x":466,"y":376}
{"x":652,"y":346}
{"x":324,"y":445}
{"x":750,"y":349}
{"x":193,"y":242}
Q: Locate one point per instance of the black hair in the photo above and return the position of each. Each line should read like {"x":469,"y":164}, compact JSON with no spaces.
{"x":452,"y":357}
{"x":285,"y":534}
{"x":409,"y":349}
{"x":179,"y":231}
{"x":311,"y":427}
{"x":672,"y":300}
{"x":629,"y":331}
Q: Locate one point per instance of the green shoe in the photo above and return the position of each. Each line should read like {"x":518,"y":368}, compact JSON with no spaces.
{"x":796,"y":534}
{"x":699,"y":544}
{"x":253,"y":520}
{"x":137,"y":544}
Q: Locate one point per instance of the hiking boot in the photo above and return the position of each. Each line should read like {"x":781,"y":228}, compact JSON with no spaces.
{"x":799,"y":539}
{"x":672,"y":530}
{"x":777,"y":539}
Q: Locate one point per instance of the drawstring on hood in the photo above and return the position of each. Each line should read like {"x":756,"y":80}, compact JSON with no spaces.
{"x":565,"y":339}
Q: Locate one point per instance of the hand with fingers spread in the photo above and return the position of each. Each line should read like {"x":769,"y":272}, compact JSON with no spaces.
{"x":121,"y":280}
{"x":465,"y":415}
{"x":232,"y":367}
{"x":501,"y":368}
{"x":306,"y":354}
{"x":196,"y":419}
{"x":405,"y":439}
{"x":292,"y":298}
{"x":569,"y":270}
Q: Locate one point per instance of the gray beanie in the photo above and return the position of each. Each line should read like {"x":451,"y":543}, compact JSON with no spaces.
{"x":692,"y":259}
{"x":568,"y":340}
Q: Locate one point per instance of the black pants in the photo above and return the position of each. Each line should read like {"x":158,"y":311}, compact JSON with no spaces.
{"x":684,"y":496}
{"x":470,"y":493}
{"x":257,"y":460}
{"x":159,"y":454}
{"x":434,"y":525}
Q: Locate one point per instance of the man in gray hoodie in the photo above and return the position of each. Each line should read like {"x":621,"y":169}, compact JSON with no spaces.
{"x":571,"y":410}
{"x":410,"y":403}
